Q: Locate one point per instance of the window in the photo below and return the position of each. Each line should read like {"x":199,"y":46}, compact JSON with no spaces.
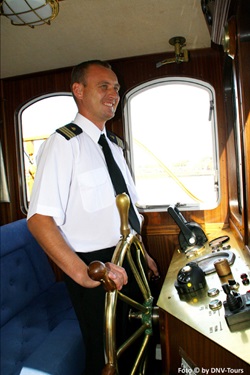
{"x":170,"y":129}
{"x":36,"y":120}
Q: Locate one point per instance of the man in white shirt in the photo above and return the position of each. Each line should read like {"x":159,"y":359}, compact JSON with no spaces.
{"x":73,"y":214}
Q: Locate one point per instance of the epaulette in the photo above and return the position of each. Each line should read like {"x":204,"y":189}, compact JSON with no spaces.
{"x":69,"y":131}
{"x":115,"y":139}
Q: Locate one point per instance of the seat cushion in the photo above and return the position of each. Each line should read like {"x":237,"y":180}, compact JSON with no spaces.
{"x":62,"y":353}
{"x":28,"y":329}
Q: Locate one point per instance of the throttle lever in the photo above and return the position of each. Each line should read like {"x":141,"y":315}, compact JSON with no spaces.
{"x":190,"y":237}
{"x":180,"y":215}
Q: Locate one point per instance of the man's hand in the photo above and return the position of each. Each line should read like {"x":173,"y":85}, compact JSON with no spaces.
{"x":117,"y":274}
{"x":153,"y":272}
{"x":152,"y":268}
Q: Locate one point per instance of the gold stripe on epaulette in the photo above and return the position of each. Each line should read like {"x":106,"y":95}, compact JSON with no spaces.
{"x":120,"y":143}
{"x":112,"y":137}
{"x":117,"y":140}
{"x":67,"y":132}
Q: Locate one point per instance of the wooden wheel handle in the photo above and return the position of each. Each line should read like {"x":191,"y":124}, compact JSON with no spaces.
{"x":109,"y":370}
{"x":99,"y":272}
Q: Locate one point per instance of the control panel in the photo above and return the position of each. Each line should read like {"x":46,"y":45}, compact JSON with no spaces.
{"x":214,"y":303}
{"x":192,"y":278}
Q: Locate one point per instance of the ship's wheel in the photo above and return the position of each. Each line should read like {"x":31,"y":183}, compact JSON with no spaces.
{"x":142,"y":312}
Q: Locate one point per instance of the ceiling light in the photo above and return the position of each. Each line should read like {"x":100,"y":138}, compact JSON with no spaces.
{"x":29,"y":12}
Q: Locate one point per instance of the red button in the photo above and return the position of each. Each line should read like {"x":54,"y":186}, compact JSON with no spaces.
{"x":243,"y":276}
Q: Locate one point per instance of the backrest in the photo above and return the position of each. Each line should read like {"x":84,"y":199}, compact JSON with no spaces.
{"x":25,"y":269}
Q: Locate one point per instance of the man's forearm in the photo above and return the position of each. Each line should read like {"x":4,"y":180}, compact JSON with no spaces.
{"x":48,"y":235}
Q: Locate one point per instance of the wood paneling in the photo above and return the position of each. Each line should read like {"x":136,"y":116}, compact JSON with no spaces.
{"x":237,"y":90}
{"x":247,"y":167}
{"x":203,"y":352}
{"x":161,"y":247}
{"x":244,"y":88}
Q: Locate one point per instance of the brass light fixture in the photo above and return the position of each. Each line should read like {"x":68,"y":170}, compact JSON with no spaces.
{"x":181,"y":55}
{"x":229,"y":38}
{"x":29,"y":12}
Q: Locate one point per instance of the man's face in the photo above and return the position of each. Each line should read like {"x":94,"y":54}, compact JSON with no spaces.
{"x":100,"y":95}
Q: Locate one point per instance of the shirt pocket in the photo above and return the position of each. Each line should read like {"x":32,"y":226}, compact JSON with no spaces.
{"x":96,"y":190}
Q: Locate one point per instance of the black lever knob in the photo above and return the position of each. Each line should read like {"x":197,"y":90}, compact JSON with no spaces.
{"x":234,"y":302}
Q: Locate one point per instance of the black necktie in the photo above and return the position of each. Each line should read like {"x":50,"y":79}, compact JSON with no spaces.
{"x":118,"y":180}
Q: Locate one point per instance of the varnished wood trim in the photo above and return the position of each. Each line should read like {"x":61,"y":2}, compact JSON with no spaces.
{"x":165,"y":230}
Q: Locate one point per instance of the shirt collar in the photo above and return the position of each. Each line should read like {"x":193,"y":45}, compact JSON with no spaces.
{"x":88,"y":127}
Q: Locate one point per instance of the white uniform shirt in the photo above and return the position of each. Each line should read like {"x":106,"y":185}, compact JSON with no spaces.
{"x":72,"y":185}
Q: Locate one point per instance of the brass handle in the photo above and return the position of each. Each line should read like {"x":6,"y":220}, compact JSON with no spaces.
{"x":99,"y":272}
{"x":123,"y":203}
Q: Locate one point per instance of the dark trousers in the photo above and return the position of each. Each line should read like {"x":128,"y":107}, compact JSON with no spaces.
{"x":89,"y":306}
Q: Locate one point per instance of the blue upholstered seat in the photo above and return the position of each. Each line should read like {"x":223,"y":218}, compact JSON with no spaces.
{"x":39,"y":330}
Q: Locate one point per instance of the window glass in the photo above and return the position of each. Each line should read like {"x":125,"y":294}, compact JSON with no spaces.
{"x":37,"y":119}
{"x":170,"y":127}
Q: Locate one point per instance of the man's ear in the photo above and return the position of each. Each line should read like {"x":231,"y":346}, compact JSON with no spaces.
{"x":78,"y":89}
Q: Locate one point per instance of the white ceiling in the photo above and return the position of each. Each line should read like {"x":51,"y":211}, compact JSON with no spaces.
{"x":101,"y":29}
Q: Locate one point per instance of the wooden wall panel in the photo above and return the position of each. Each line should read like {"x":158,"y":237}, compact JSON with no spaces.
{"x":161,"y":247}
{"x":203,"y":352}
{"x":237,"y":74}
{"x":244,"y":84}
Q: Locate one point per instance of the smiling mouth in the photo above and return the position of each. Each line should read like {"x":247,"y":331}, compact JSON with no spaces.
{"x":110,"y":105}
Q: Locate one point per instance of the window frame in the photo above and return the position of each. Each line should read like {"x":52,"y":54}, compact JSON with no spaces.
{"x":129,"y":153}
{"x":24,"y":203}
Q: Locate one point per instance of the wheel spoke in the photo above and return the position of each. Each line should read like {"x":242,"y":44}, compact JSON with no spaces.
{"x":132,"y":303}
{"x":142,"y":271}
{"x":141,"y":354}
{"x":131,"y":339}
{"x":139,"y":274}
{"x":110,"y":328}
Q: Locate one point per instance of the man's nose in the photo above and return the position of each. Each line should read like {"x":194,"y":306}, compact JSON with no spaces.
{"x":114,"y":93}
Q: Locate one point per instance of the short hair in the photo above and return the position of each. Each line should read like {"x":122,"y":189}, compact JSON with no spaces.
{"x":79,"y":71}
